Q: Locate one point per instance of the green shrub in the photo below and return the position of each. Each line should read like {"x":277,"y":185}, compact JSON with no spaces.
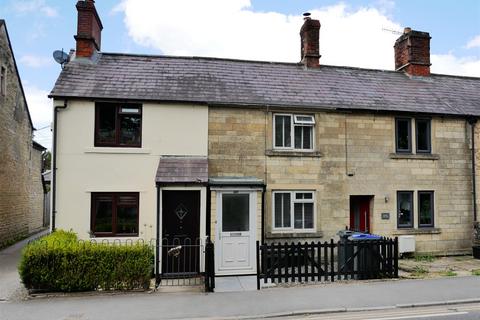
{"x":476,"y":272}
{"x":60,"y":262}
{"x":424,"y":258}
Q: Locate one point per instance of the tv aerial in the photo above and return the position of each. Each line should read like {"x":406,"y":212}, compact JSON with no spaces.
{"x":60,"y":57}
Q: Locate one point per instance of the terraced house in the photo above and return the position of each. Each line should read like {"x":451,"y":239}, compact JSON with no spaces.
{"x":240,"y":151}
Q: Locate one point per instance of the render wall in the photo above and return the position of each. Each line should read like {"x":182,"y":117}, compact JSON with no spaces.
{"x":354,"y":155}
{"x":167,"y":129}
{"x":20,"y":211}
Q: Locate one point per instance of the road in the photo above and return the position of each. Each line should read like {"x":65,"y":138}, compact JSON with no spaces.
{"x":452,"y":312}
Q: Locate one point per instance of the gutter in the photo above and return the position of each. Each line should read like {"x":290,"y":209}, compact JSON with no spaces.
{"x":472,"y":121}
{"x":54,"y":162}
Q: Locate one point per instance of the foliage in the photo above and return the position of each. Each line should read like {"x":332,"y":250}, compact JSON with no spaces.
{"x":424,"y":258}
{"x":419,"y":271}
{"x":60,"y":262}
{"x":476,"y":272}
{"x":46,"y":160}
{"x":449,"y":273}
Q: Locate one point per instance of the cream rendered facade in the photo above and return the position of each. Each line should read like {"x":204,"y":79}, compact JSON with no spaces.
{"x":167,"y":130}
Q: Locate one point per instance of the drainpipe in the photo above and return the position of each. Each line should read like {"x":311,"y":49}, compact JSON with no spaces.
{"x":54,"y":161}
{"x":472,"y":121}
{"x":157,"y":242}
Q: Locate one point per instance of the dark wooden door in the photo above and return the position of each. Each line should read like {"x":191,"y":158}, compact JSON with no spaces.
{"x":180,"y":232}
{"x":360,"y":213}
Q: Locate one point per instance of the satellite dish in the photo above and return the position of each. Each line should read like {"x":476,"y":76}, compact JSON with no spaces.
{"x":60,"y":57}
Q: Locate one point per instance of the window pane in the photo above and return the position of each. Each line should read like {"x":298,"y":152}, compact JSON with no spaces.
{"x":130,"y":129}
{"x":303,"y":195}
{"x":298,"y":137}
{"x":235,"y":212}
{"x":106,"y":124}
{"x":405,"y":212}
{"x":278,"y":131}
{"x":103,"y":214}
{"x":423,"y":135}
{"x":307,"y":137}
{"x":425,"y":207}
{"x":287,"y":124}
{"x":403,"y":134}
{"x":278,"y":210}
{"x":286,"y":210}
{"x":298,"y":215}
{"x":308,"y":215}
{"x":127,"y":219}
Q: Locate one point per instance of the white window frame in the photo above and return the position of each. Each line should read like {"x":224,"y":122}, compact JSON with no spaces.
{"x":295,"y":123}
{"x":293,"y":200}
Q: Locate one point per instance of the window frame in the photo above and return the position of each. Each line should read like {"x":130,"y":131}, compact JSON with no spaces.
{"x":294,"y":123}
{"x":432,"y":207}
{"x":412,"y":214}
{"x":429,"y":135}
{"x":115,"y":196}
{"x":409,"y":120}
{"x":118,"y":114}
{"x":293,"y":200}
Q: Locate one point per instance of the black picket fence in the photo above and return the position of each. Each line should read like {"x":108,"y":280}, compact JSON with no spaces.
{"x":328,"y":261}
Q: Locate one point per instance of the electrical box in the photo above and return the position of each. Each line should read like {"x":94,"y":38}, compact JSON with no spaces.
{"x":406,"y":244}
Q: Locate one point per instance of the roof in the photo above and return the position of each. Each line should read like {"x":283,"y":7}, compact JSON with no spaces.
{"x":236,"y":181}
{"x":174,"y":169}
{"x":2,"y":23}
{"x":238,"y":82}
{"x":38,"y":146}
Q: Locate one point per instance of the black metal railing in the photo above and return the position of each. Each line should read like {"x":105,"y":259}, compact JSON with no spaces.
{"x":209,"y":266}
{"x":327,"y":261}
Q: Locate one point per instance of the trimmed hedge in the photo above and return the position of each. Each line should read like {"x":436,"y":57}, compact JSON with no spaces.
{"x":60,"y":262}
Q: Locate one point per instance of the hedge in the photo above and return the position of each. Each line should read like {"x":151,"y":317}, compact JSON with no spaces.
{"x":60,"y":262}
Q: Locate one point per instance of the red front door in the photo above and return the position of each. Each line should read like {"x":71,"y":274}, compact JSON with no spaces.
{"x":360,"y":213}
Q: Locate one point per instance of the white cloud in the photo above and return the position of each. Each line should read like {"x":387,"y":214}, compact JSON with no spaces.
{"x":40,"y":107}
{"x":474,"y":43}
{"x":450,"y":64}
{"x":231,"y":29}
{"x":29,"y":6}
{"x":34,"y":61}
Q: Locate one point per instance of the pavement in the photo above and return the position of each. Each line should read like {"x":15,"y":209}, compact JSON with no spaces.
{"x":10,"y":286}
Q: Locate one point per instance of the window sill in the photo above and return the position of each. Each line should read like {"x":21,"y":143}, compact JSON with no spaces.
{"x":412,"y":156}
{"x":293,"y":234}
{"x":419,"y":231}
{"x":293,"y":153}
{"x":118,"y":150}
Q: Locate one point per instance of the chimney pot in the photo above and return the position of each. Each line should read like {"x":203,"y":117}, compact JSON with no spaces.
{"x":412,"y":53}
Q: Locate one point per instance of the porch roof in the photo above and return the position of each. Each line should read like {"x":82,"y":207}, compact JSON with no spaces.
{"x":236,"y":181}
{"x":176,"y":169}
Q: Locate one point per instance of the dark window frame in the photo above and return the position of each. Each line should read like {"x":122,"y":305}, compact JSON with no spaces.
{"x":412,"y":214}
{"x":432,"y":195}
{"x":118,"y":113}
{"x":114,"y":196}
{"x":409,"y":150}
{"x":429,"y":135}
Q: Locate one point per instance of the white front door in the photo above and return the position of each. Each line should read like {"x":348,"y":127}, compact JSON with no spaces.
{"x":235,"y":233}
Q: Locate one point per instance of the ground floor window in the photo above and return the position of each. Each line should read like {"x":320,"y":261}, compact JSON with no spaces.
{"x":405,"y":209}
{"x":115,"y":214}
{"x":293,"y":210}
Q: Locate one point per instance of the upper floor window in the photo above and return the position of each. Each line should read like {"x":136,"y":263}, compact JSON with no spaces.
{"x":118,"y":125}
{"x":293,"y":131}
{"x":114,"y":214}
{"x":403,"y":135}
{"x":3,"y":80}
{"x":293,"y":210}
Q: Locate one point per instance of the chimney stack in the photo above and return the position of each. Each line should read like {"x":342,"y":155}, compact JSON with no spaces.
{"x":89,"y":29}
{"x":412,"y":53}
{"x":310,"y":42}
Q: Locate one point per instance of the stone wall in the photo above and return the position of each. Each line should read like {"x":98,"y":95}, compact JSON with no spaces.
{"x":354,"y":155}
{"x":19,"y":162}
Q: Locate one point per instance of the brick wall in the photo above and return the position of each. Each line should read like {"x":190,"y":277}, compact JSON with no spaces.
{"x":240,"y":144}
{"x":20,"y":202}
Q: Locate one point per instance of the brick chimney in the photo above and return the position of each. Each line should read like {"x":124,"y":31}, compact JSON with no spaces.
{"x":89,"y":29}
{"x":310,"y":42}
{"x":412,"y":53}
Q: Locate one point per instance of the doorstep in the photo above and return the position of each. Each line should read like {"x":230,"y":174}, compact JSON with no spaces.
{"x":239,"y":284}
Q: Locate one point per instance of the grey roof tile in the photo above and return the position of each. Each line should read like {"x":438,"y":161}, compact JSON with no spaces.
{"x":182,"y":170}
{"x":237,"y":82}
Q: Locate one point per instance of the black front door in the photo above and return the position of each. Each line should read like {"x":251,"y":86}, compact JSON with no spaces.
{"x":180,"y":232}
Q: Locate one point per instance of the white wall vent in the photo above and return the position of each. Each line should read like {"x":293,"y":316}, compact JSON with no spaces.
{"x":406,"y":244}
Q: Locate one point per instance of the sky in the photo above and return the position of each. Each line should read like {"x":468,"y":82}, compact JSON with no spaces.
{"x":358,"y":33}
